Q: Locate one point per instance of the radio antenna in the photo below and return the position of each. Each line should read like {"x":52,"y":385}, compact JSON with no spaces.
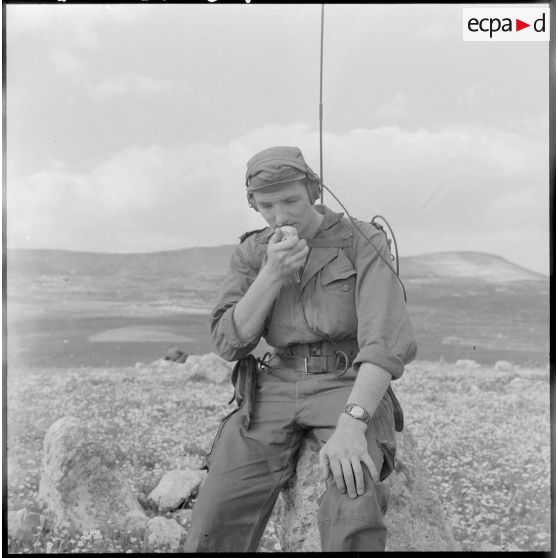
{"x":321,"y":105}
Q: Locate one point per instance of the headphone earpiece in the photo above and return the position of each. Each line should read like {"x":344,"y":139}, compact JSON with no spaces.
{"x":314,"y":189}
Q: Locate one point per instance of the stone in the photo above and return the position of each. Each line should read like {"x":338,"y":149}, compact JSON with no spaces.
{"x":467,"y":363}
{"x":162,"y":363}
{"x":183,"y":517}
{"x":135,"y":524}
{"x":504,"y":366}
{"x":519,"y":384}
{"x":210,"y":367}
{"x":164,"y":534}
{"x":176,"y":355}
{"x":81,"y":486}
{"x":217,"y":370}
{"x":414,"y":519}
{"x":297,"y":506}
{"x":175,"y":488}
{"x":23,"y":524}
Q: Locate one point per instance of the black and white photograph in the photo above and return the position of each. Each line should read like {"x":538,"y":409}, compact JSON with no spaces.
{"x":277,"y":277}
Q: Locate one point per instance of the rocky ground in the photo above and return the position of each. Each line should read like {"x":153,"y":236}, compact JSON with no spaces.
{"x":483,"y":432}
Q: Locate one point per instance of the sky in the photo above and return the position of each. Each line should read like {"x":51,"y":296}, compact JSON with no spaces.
{"x":129,"y":126}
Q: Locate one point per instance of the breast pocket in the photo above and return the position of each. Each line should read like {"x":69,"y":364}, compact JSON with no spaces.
{"x":339,"y":277}
{"x":336,"y":286}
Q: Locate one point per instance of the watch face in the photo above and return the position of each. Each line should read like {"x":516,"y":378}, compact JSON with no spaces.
{"x":358,"y":412}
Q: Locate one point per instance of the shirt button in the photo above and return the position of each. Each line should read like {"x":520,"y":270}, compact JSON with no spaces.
{"x":346,"y":288}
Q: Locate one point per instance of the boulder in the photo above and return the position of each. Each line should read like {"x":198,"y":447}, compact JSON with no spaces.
{"x":176,"y":355}
{"x":135,"y":524}
{"x":162,"y":363}
{"x":164,"y":534}
{"x":175,"y":488}
{"x":209,"y":366}
{"x":414,"y":518}
{"x":467,"y":364}
{"x":23,"y":524}
{"x":519,"y":384}
{"x":183,"y":517}
{"x":81,"y":486}
{"x":504,"y":366}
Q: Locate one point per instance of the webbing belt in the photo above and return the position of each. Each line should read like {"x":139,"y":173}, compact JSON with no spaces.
{"x":316,"y":358}
{"x":322,"y":364}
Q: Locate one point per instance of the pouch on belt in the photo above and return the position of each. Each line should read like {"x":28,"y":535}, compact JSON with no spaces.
{"x":244,"y":379}
{"x":397,"y":411}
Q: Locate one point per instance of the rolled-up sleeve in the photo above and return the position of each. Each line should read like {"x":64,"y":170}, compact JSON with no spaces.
{"x":386,"y":336}
{"x":223,"y":329}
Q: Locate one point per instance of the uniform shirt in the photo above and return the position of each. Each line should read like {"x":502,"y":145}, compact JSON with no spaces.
{"x":334,"y":298}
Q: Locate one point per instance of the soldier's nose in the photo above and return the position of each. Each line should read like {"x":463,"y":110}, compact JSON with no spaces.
{"x":281,"y":219}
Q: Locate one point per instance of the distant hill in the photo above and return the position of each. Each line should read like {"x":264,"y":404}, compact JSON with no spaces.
{"x":466,"y":265}
{"x":210,"y":260}
{"x":463,"y":305}
{"x":214,"y":260}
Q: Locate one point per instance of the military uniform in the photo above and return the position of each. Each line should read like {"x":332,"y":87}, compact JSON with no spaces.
{"x":348,"y":308}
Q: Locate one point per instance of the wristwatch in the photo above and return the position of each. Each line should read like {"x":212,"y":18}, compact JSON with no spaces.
{"x":357,"y":412}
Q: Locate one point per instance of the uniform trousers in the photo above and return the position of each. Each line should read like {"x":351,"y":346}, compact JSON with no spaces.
{"x":248,"y":468}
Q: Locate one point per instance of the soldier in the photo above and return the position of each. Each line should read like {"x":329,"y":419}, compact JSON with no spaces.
{"x":331,"y":307}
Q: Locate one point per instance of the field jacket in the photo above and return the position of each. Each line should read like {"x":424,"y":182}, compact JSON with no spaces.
{"x":347,"y":291}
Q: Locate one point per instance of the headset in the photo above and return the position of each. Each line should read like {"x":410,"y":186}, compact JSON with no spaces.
{"x":313,"y":183}
{"x":314,"y":187}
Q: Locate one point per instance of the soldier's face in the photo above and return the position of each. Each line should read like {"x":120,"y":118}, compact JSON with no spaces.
{"x":286,"y":204}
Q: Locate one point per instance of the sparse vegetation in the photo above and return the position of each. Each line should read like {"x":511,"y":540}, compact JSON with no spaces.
{"x":482,"y":429}
{"x":484,"y":433}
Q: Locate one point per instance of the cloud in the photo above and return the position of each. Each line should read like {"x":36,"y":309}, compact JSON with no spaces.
{"x":75,"y":24}
{"x":450,"y":189}
{"x":392,"y":109}
{"x":103,"y":87}
{"x":131,"y":84}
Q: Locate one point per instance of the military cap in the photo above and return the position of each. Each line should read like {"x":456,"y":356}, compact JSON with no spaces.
{"x":276,"y":165}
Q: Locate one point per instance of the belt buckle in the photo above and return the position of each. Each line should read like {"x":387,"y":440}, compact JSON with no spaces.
{"x":306,"y":371}
{"x":323,"y":368}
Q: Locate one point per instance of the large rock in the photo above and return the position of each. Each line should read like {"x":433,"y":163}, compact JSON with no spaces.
{"x":164,"y":534}
{"x":176,"y":355}
{"x":209,"y":367}
{"x":414,"y":518}
{"x":81,"y":486}
{"x":175,"y":488}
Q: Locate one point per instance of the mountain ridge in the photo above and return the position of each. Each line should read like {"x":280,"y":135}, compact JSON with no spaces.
{"x":213,"y":260}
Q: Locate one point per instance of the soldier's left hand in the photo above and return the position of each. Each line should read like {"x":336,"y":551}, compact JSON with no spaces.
{"x":343,"y":454}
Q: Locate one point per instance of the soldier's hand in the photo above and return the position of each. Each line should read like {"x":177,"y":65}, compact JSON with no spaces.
{"x":285,"y":257}
{"x":343,"y":454}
